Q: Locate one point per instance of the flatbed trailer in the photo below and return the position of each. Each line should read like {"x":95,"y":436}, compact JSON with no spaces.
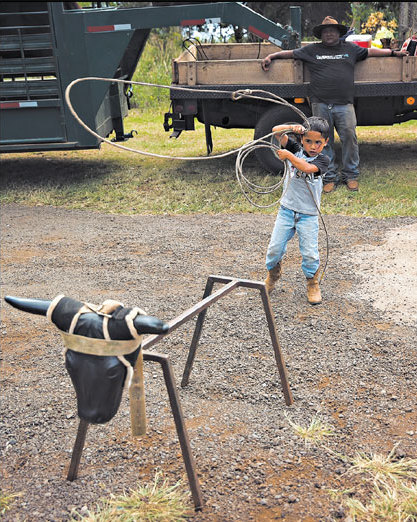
{"x":385,"y":91}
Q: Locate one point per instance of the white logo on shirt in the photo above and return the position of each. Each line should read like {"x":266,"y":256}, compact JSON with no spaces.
{"x":332,"y":57}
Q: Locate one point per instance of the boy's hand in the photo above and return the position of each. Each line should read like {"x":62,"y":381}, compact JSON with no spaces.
{"x":298,"y":129}
{"x":283,"y":154}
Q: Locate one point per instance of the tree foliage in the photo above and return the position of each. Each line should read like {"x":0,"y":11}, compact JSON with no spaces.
{"x":348,"y":13}
{"x":363,"y":11}
{"x":312,"y":13}
{"x":155,"y":66}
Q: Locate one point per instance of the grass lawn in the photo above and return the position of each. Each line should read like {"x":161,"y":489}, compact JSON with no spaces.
{"x":115,"y":181}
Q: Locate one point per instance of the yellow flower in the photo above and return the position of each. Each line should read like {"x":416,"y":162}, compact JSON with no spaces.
{"x":376,"y":21}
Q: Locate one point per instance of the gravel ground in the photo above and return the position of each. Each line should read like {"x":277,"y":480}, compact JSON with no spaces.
{"x":351,"y":361}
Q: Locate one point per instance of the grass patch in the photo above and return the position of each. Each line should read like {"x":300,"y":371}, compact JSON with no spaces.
{"x":385,"y":467}
{"x":387,"y":492}
{"x":314,"y":433}
{"x":155,"y":66}
{"x":6,"y":501}
{"x":156,"y":502}
{"x":390,"y":502}
{"x":115,"y":181}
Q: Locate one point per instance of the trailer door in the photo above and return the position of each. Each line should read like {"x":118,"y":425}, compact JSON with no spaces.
{"x":30,"y":101}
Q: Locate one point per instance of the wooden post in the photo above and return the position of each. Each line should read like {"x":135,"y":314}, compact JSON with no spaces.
{"x":191,"y":73}
{"x":407,"y":69}
{"x":298,"y":72}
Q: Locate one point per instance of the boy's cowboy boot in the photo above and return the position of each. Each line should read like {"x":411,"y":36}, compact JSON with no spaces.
{"x":313,"y":289}
{"x":273,"y":275}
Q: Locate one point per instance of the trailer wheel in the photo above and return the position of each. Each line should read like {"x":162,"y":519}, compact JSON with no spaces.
{"x":274,"y":116}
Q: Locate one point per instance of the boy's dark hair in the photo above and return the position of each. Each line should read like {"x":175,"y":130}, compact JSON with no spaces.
{"x":319,"y":125}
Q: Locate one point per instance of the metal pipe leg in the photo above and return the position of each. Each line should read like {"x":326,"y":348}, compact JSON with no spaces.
{"x":77,"y":450}
{"x":196,"y":336}
{"x":180,"y":426}
{"x":277,"y":349}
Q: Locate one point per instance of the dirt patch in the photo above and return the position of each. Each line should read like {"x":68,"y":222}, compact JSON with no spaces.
{"x":389,"y":272}
{"x":351,"y":361}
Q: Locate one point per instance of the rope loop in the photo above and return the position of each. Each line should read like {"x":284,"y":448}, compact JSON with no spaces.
{"x":238,"y":95}
{"x":242,"y":152}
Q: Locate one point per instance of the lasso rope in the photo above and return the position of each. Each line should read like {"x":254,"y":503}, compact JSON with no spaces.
{"x":236,"y":95}
{"x":242,"y":152}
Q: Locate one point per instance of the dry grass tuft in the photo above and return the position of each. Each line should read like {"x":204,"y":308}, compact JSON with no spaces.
{"x":383,"y":467}
{"x":155,"y":502}
{"x":389,"y":483}
{"x":6,"y":501}
{"x":315,"y":432}
{"x":393,"y":501}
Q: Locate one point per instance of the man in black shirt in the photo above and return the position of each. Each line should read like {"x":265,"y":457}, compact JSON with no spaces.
{"x":331,"y":64}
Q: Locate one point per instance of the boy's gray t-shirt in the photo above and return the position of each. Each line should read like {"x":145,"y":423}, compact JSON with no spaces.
{"x":296,"y":194}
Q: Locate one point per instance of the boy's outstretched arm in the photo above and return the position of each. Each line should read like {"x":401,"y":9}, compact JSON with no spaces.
{"x":299,"y":163}
{"x":278,"y":130}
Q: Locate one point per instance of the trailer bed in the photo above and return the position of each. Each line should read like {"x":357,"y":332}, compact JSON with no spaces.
{"x":240,"y":64}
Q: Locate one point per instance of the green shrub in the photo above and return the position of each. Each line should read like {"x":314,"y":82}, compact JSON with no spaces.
{"x":155,"y":66}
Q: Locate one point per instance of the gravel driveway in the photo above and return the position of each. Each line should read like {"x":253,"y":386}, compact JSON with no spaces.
{"x":351,"y":361}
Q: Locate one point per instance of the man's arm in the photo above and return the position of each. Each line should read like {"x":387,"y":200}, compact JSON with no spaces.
{"x":266,"y":62}
{"x":374,"y":51}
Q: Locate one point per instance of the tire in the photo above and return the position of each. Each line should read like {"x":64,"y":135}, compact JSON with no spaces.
{"x":273,"y":116}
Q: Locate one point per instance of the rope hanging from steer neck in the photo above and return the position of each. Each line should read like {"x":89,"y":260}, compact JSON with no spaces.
{"x":242,"y":152}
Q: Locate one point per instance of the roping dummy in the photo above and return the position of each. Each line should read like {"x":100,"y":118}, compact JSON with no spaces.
{"x":103,"y":355}
{"x":102,"y":352}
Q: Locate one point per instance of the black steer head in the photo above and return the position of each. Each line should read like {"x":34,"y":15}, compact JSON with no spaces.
{"x":102,"y":346}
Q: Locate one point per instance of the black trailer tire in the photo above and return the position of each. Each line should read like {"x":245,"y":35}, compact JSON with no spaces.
{"x":273,"y":116}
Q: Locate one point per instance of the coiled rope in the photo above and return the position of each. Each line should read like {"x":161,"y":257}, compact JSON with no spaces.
{"x":242,"y":152}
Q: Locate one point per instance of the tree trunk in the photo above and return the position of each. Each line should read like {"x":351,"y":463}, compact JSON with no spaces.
{"x":407,"y":20}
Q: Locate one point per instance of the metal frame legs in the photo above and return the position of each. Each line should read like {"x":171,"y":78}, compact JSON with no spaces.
{"x":271,"y":325}
{"x":200,"y":308}
{"x":77,"y":450}
{"x":176,"y":409}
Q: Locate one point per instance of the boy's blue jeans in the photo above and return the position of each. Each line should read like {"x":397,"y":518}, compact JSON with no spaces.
{"x":343,"y":119}
{"x":286,"y":225}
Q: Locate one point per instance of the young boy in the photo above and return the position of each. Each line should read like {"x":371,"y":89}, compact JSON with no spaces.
{"x":300,"y":202}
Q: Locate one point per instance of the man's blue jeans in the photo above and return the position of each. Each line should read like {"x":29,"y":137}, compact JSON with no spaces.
{"x":343,"y":119}
{"x":286,"y":225}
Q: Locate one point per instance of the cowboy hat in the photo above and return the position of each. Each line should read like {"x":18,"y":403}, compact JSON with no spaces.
{"x":329,"y":22}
